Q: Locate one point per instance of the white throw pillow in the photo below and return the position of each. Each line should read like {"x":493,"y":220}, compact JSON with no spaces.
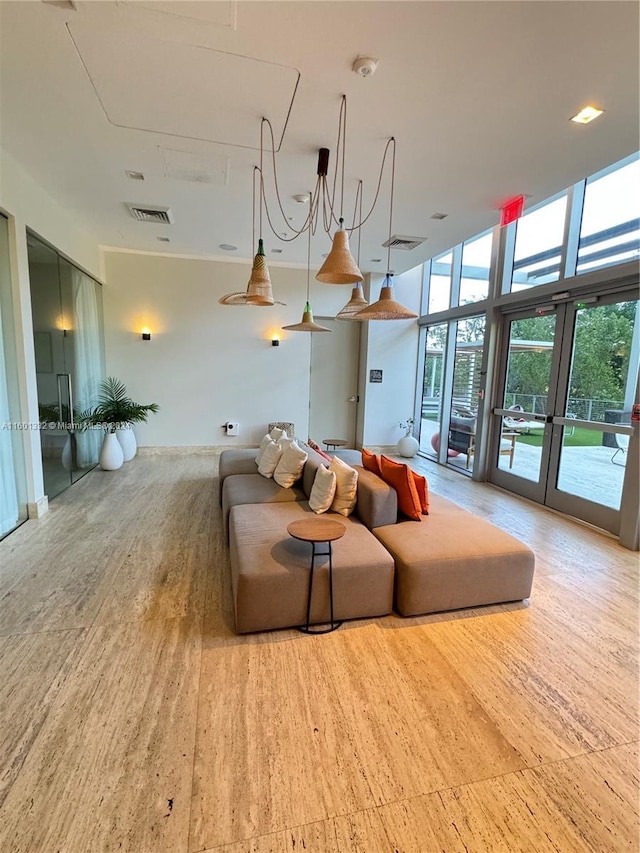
{"x":277,"y":433}
{"x":323,"y":490}
{"x":346,"y":486}
{"x":270,"y":459}
{"x":291,"y":463}
{"x":263,"y":446}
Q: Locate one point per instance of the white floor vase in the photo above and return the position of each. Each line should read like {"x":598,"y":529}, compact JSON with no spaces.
{"x":408,"y":446}
{"x":128,"y":443}
{"x":111,"y":455}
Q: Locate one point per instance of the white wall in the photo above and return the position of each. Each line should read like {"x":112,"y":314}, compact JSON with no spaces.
{"x":391,"y":346}
{"x":207,"y":363}
{"x":27,"y":204}
{"x":22,"y":197}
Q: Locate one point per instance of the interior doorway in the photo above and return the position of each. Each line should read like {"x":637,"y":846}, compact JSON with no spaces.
{"x":333,"y":398}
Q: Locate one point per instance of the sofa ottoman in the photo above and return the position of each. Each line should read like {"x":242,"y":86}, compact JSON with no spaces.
{"x":453,"y":559}
{"x":270,"y":570}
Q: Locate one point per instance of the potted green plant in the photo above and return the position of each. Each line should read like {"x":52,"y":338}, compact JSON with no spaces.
{"x":116,"y":412}
{"x":408,"y":445}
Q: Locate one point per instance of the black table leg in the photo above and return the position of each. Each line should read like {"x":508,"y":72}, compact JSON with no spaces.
{"x":333,"y":624}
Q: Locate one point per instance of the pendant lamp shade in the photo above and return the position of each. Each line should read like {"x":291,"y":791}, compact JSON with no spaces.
{"x":386,"y":308}
{"x":242,"y":298}
{"x":354,"y":305}
{"x":339,"y":266}
{"x":259,"y":290}
{"x":307,"y":324}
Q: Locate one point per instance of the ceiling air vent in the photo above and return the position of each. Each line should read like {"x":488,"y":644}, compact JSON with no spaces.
{"x":405,"y":243}
{"x":151,"y":213}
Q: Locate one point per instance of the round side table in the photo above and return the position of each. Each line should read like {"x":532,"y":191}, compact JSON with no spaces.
{"x":318,"y":531}
{"x":334,"y":442}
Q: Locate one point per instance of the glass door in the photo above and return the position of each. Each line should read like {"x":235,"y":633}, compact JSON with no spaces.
{"x":432,"y":389}
{"x":568,"y":386}
{"x":591,"y":424}
{"x":67,"y":326}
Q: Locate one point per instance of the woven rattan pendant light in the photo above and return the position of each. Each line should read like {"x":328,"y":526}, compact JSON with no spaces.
{"x":386,"y":308}
{"x":259,"y":291}
{"x":339,"y":266}
{"x":354,"y":305}
{"x":357,"y":301}
{"x":307,"y":323}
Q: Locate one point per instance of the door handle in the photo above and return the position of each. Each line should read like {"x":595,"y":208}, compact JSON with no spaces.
{"x":67,"y":376}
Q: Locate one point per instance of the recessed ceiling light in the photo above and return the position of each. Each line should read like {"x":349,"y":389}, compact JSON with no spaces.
{"x":164,"y":239}
{"x":375,"y":260}
{"x":439,"y":215}
{"x":135,"y":176}
{"x":586,"y":115}
{"x":228,"y":247}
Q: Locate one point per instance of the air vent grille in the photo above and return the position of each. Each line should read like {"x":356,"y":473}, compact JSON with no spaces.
{"x":149,"y":213}
{"x":404,"y":243}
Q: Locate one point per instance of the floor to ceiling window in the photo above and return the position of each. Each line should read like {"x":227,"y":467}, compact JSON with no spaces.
{"x":13,"y":501}
{"x":565,"y":328}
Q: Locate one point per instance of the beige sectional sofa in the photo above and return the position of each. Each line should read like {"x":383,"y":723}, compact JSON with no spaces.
{"x":450,"y":559}
{"x":270,"y":569}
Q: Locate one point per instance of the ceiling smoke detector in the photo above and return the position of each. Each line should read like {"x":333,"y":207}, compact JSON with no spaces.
{"x":365,"y":66}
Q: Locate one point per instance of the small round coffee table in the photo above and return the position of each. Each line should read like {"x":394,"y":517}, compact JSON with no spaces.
{"x":334,"y":442}
{"x":316,"y":531}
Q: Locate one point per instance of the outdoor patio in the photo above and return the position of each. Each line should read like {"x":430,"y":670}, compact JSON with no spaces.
{"x":586,"y":472}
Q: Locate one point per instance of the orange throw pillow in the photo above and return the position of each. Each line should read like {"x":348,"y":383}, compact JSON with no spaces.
{"x":401,"y":478}
{"x":423,"y":491}
{"x":370,"y":462}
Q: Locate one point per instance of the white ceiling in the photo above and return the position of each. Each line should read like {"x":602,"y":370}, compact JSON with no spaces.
{"x":478,"y":95}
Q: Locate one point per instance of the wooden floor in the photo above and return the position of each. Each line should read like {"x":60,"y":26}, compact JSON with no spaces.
{"x":132,"y":719}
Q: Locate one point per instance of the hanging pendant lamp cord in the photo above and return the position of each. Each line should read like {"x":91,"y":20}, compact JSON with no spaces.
{"x":323,"y":197}
{"x":253,"y":209}
{"x":393,"y":180}
{"x":359,"y":213}
{"x":309,"y":249}
{"x":261,"y":173}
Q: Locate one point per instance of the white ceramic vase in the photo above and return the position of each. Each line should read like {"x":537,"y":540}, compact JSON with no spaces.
{"x":408,"y":446}
{"x":128,"y":443}
{"x":111,"y":456}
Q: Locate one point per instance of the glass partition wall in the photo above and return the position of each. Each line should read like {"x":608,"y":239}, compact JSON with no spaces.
{"x":532,"y":352}
{"x":13,"y":499}
{"x":68,"y":335}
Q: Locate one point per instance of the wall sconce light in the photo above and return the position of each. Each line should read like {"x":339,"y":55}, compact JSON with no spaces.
{"x":275,"y":341}
{"x":146,"y":335}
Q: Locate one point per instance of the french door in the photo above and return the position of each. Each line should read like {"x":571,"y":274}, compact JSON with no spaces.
{"x":565,"y":396}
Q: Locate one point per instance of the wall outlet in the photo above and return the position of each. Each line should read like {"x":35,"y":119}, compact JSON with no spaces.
{"x":232,"y":428}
